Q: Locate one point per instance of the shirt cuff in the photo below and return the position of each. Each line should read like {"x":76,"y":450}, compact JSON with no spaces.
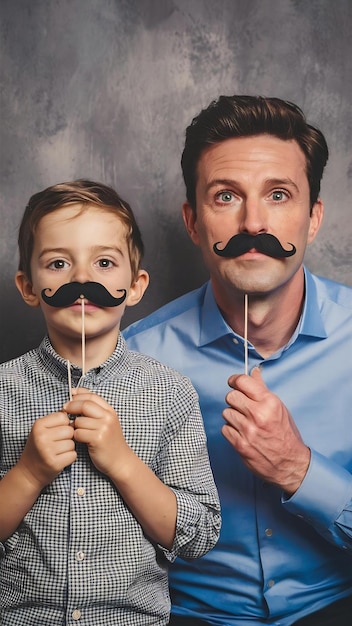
{"x":197,"y":527}
{"x":325,"y":491}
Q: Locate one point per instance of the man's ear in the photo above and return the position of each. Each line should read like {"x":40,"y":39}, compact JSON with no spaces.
{"x":25,"y":288}
{"x":138,"y":288}
{"x":190,"y":221}
{"x":316,"y":218}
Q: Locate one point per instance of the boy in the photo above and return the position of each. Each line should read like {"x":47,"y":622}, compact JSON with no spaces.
{"x":99,"y":491}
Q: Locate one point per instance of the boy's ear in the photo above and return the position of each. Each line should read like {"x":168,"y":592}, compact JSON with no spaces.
{"x":138,"y":288}
{"x":25,"y":288}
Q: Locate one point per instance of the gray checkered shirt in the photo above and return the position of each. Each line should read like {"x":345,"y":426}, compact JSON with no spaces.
{"x":79,"y":557}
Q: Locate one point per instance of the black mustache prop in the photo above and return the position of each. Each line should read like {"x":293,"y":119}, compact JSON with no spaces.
{"x":94,"y":292}
{"x":264,"y":242}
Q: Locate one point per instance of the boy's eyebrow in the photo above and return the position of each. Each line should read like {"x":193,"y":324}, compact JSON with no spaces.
{"x":97,"y":249}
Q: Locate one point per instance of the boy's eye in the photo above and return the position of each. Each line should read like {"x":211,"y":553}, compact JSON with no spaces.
{"x":58,"y":264}
{"x":105,"y":263}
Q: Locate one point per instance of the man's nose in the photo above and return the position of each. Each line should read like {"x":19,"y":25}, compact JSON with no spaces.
{"x":253,"y":217}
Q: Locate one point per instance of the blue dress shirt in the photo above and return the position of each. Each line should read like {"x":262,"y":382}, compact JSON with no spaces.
{"x":277,"y":559}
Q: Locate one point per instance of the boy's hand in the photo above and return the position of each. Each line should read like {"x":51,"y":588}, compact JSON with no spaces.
{"x":261,"y":429}
{"x":97,"y":425}
{"x":49,"y":449}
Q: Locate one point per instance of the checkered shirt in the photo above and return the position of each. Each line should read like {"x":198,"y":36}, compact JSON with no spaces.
{"x":80,"y":557}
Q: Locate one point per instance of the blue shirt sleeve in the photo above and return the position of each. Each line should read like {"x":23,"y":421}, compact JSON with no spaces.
{"x":324,"y":500}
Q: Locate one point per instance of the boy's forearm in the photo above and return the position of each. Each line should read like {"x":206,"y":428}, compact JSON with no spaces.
{"x":17,"y":496}
{"x":150,"y":500}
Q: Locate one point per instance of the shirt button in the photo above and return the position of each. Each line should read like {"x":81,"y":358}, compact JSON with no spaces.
{"x":269,"y":532}
{"x":271,"y":583}
{"x":235,"y":340}
{"x":80,"y":555}
{"x":81,"y":491}
{"x":76,"y":614}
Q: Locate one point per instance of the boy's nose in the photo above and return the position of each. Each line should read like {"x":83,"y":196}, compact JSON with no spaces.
{"x":81,"y":275}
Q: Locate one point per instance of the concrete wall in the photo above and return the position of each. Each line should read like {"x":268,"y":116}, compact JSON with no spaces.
{"x":105,"y":89}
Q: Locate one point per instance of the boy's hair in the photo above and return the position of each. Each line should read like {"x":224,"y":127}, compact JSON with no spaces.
{"x":82,"y":192}
{"x":245,"y":116}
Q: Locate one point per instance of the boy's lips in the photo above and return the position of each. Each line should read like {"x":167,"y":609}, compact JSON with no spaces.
{"x":87,"y":304}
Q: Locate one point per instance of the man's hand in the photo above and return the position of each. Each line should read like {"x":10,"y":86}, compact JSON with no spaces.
{"x":48,"y":450}
{"x":260,"y":428}
{"x":97,"y":425}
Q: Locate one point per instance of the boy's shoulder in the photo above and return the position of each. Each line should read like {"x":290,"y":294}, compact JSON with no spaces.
{"x":146,"y":375}
{"x":19,"y":362}
{"x":146,"y":366}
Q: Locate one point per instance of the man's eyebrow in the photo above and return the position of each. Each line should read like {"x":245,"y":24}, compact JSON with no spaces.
{"x":222,"y":182}
{"x":279,"y":182}
{"x":232,"y":182}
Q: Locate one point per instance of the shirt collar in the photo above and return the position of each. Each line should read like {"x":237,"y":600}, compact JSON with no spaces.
{"x":213,"y":326}
{"x":114,"y":366}
{"x":311,"y":323}
{"x":212,"y":323}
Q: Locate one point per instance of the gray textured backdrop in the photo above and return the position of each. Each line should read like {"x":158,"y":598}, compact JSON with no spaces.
{"x":105,"y":88}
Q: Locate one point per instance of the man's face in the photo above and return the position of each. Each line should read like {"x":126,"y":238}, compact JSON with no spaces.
{"x":252,"y":185}
{"x":75,"y":244}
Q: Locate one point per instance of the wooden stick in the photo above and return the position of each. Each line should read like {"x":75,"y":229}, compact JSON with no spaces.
{"x":69,"y":379}
{"x":246,"y":333}
{"x":83,"y":338}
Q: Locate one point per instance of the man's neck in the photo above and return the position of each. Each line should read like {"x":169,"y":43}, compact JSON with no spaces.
{"x":272,"y":318}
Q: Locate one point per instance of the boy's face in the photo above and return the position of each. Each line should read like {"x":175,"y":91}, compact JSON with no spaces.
{"x":81,"y":244}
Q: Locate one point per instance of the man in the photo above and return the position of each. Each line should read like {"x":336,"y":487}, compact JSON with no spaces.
{"x":272,"y":342}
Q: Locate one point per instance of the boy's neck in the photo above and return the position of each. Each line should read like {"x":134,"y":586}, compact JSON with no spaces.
{"x":97,"y":350}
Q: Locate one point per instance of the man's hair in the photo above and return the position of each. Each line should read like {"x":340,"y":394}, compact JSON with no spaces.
{"x":84,"y":193}
{"x":246,"y":116}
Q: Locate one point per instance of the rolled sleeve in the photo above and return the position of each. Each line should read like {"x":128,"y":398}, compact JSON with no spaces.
{"x":197,"y":528}
{"x":185,"y":467}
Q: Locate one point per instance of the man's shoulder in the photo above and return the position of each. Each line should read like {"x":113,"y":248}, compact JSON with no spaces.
{"x":333,"y":291}
{"x":172,"y":311}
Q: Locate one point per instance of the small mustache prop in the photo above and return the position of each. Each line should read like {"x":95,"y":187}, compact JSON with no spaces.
{"x":94,"y":292}
{"x":264,"y":242}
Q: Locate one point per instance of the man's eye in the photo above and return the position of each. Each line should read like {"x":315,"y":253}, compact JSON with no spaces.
{"x":225,"y":196}
{"x":278,"y":195}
